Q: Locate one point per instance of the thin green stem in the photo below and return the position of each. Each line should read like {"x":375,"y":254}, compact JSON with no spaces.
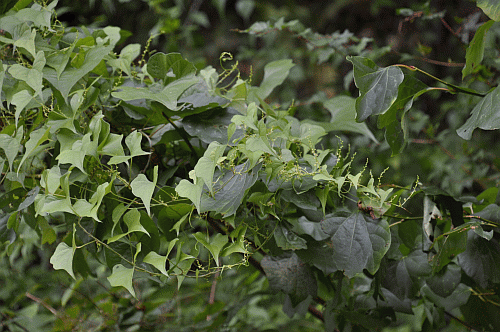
{"x":454,"y":88}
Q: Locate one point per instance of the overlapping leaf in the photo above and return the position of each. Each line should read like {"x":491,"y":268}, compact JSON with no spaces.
{"x":378,"y":87}
{"x":290,"y":275}
{"x":358,"y":242}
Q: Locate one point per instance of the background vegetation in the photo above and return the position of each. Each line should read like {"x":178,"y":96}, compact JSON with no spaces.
{"x":198,"y":165}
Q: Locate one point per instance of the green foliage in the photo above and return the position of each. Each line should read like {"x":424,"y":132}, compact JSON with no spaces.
{"x":149,"y":177}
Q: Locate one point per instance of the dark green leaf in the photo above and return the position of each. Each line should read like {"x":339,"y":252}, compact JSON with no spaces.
{"x":479,"y":260}
{"x":378,"y":87}
{"x":169,"y":67}
{"x":358,"y":241}
{"x":212,"y":126}
{"x":288,"y":240}
{"x":6,"y":5}
{"x":485,"y":115}
{"x":475,"y":50}
{"x":229,"y":190}
{"x":449,"y":247}
{"x":446,"y":281}
{"x":290,"y":275}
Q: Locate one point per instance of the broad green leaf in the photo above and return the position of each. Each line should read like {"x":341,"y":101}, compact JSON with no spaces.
{"x":484,"y":115}
{"x":127,"y":55}
{"x":214,"y":244}
{"x":212,"y":126}
{"x":291,"y":276}
{"x":157,"y":261}
{"x":133,"y":221}
{"x":59,"y":59}
{"x":288,"y":240}
{"x":37,"y":137}
{"x":458,"y":298}
{"x":122,"y":276}
{"x":343,"y":117}
{"x":11,"y":145}
{"x":402,"y":276}
{"x":144,"y":189}
{"x":490,"y":8}
{"x":229,"y":189}
{"x":249,"y":120}
{"x":205,"y":167}
{"x":475,"y":50}
{"x":62,"y":259}
{"x":32,"y":76}
{"x":133,"y":142}
{"x":446,"y":281}
{"x":27,"y":41}
{"x":21,"y":99}
{"x":30,"y":198}
{"x":190,"y":190}
{"x":76,"y":155}
{"x":378,"y":87}
{"x":449,"y":246}
{"x":169,"y":67}
{"x":65,"y":81}
{"x":48,"y":233}
{"x":359,"y":242}
{"x":168,"y":96}
{"x":259,"y":144}
{"x":480,"y":260}
{"x":274,"y":74}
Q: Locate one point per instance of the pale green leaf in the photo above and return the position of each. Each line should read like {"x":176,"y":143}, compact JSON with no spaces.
{"x":205,"y":167}
{"x":65,"y":81}
{"x":11,"y":145}
{"x":122,"y":276}
{"x":274,"y":74}
{"x":157,"y":261}
{"x":133,"y":221}
{"x":490,"y":8}
{"x":214,"y":244}
{"x":20,"y":100}
{"x":144,"y":189}
{"x":62,"y":259}
{"x":37,"y":137}
{"x":27,"y":41}
{"x":168,"y":96}
{"x":190,"y":190}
